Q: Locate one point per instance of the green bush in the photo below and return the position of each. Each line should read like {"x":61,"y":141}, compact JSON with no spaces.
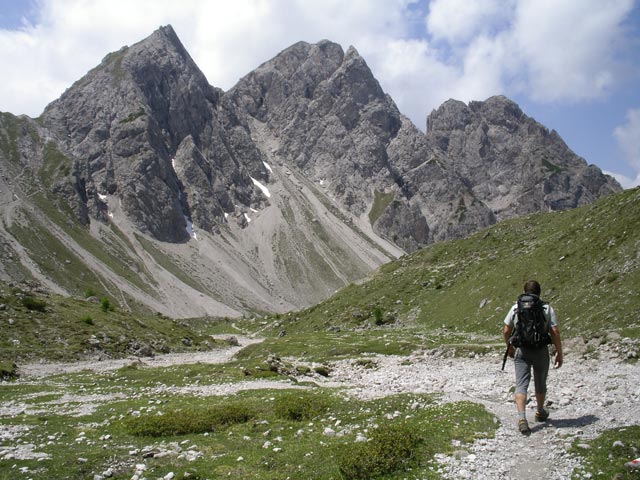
{"x":88,"y":320}
{"x":8,"y":371}
{"x":391,"y":448}
{"x":90,"y":292}
{"x":105,"y":305}
{"x":300,"y":406}
{"x":193,"y":420}
{"x":322,"y":370}
{"x":34,"y":304}
{"x":377,"y":314}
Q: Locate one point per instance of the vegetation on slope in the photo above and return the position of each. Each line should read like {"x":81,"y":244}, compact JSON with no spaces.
{"x":262,"y":434}
{"x":35,"y":325}
{"x":586,"y":260}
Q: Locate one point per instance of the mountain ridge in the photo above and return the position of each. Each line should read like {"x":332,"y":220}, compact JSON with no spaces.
{"x":167,"y":192}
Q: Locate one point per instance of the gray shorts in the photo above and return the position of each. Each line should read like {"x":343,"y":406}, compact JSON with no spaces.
{"x":526,"y":359}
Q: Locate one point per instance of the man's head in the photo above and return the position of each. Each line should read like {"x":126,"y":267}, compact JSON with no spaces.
{"x":532,"y":287}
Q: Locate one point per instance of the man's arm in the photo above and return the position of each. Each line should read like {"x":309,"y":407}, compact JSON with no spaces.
{"x":557,"y":342}
{"x":506,"y":333}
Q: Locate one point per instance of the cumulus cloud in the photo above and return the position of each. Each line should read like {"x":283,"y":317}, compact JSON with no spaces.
{"x":460,"y":21}
{"x":564,"y":50}
{"x":628,"y":138}
{"x":226,"y":39}
{"x":539,"y":49}
{"x":547,"y":50}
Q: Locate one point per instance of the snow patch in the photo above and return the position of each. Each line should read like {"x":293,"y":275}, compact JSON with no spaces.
{"x":264,"y":189}
{"x":253,"y":210}
{"x":173,"y":163}
{"x":189,"y":228}
{"x":266,"y":165}
{"x":247,"y":218}
{"x":110,"y":214}
{"x":102,"y":197}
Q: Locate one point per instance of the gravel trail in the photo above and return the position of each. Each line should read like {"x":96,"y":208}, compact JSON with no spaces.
{"x":587,"y":396}
{"x":220,"y":355}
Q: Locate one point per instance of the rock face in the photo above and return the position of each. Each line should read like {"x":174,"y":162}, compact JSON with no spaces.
{"x":300,"y":179}
{"x":146,"y":126}
{"x":513,"y":164}
{"x":477,"y":164}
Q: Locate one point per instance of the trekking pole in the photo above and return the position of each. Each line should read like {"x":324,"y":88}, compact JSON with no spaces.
{"x":506,"y":355}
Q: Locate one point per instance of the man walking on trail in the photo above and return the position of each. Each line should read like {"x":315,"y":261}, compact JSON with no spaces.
{"x":528,"y":328}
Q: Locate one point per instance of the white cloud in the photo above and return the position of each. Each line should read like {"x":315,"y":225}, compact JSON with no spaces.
{"x":628,"y":138}
{"x":547,"y":50}
{"x":541,"y":49}
{"x":564,"y":50}
{"x":411,"y":73}
{"x":227,"y":39}
{"x":459,"y":21}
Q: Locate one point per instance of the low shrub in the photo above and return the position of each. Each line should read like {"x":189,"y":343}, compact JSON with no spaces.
{"x":34,"y":304}
{"x":391,"y":448}
{"x":105,"y":305}
{"x":189,"y":421}
{"x":324,"y":371}
{"x":379,"y":318}
{"x":8,"y":371}
{"x":300,"y":406}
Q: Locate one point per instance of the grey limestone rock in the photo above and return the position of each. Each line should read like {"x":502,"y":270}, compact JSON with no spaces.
{"x":147,"y":127}
{"x":129,"y":120}
{"x":304,"y":175}
{"x":513,"y":164}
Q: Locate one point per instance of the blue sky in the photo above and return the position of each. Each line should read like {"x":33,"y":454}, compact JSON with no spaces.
{"x":570,"y":64}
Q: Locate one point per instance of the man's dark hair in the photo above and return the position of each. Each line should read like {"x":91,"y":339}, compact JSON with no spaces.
{"x":532,"y":287}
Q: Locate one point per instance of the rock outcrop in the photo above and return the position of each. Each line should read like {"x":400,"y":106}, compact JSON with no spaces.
{"x":146,"y":126}
{"x":514,"y":164}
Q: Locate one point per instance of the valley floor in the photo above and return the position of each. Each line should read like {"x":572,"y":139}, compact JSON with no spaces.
{"x":587,"y":396}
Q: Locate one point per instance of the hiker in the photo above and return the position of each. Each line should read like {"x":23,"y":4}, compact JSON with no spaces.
{"x":527,"y":345}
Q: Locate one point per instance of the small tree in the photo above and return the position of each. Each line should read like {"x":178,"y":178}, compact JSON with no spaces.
{"x":377,"y":314}
{"x":105,"y":305}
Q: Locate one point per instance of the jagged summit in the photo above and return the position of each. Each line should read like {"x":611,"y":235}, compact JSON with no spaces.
{"x":515,"y":164}
{"x":301,"y":178}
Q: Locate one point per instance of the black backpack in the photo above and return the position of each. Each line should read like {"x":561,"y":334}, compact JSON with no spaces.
{"x":532,"y":329}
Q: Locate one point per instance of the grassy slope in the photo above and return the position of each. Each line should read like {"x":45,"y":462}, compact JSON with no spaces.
{"x":586,"y":260}
{"x":66,"y":328}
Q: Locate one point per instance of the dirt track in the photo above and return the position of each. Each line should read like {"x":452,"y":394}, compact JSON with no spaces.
{"x":588,"y":396}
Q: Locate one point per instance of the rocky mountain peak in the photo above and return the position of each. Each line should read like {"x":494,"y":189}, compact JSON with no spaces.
{"x":301,"y":178}
{"x":124,"y":123}
{"x":513,"y":163}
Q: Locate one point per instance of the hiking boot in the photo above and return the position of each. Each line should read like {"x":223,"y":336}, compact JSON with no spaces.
{"x":523,"y":426}
{"x":541,"y":415}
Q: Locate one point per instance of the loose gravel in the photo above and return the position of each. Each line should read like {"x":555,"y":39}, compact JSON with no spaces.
{"x":589,"y":394}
